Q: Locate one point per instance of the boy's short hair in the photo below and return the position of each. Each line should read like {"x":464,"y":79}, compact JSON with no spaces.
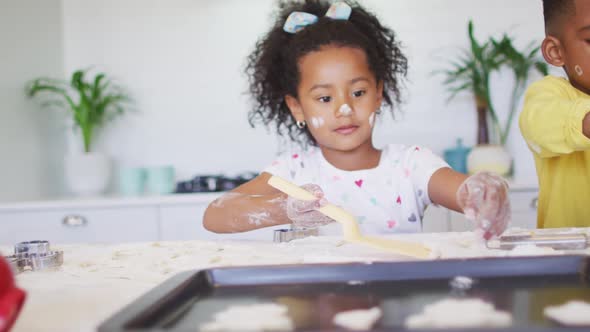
{"x":554,"y":10}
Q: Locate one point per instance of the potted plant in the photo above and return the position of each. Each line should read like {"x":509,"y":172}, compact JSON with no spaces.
{"x":91,"y":102}
{"x":472,"y":73}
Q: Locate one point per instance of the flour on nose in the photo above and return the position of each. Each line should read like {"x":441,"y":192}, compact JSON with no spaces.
{"x":345,"y":110}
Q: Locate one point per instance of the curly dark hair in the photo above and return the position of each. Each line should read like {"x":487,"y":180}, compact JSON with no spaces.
{"x":273,"y":71}
{"x":554,"y":9}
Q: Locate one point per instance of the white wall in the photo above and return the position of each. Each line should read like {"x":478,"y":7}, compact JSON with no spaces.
{"x":31,"y":140}
{"x":183,"y":62}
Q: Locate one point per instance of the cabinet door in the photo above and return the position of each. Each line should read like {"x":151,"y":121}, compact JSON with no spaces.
{"x":112,"y":225}
{"x":436,"y":219}
{"x":185,"y":222}
{"x":524,"y":209}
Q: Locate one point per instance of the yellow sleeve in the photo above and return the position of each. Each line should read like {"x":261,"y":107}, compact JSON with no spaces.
{"x":552,"y":118}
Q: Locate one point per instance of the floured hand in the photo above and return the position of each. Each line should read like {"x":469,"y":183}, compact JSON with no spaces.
{"x":484,"y":199}
{"x":303,"y":214}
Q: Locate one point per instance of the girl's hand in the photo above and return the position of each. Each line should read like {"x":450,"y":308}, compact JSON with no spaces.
{"x":303,"y":214}
{"x":484,"y":199}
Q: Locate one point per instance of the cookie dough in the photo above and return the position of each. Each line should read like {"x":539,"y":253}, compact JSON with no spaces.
{"x":358,"y":320}
{"x":459,"y":313}
{"x":250,"y":318}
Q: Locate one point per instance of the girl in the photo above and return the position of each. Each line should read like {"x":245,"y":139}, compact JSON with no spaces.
{"x":322,"y":75}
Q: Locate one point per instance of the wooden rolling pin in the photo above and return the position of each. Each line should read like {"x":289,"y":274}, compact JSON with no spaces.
{"x":349,"y":224}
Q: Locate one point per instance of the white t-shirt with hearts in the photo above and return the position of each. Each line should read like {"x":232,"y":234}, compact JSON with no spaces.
{"x":390,"y":198}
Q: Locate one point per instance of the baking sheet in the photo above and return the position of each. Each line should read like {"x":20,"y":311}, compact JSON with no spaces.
{"x":315,"y":293}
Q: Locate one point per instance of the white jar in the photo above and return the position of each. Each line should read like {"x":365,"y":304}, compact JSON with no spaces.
{"x":492,"y":158}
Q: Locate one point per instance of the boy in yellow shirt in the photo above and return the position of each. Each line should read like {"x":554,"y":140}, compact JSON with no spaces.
{"x":555,"y":121}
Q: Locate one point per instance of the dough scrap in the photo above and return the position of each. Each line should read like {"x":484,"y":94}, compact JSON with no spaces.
{"x":358,"y":320}
{"x":533,"y":250}
{"x":573,"y":313}
{"x":249,"y":318}
{"x":459,"y":313}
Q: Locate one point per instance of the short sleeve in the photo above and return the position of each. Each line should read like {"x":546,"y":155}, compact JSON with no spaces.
{"x":281,"y":167}
{"x":552,"y":118}
{"x":419,"y":165}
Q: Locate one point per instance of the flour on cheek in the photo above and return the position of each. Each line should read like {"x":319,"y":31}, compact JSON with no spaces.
{"x":317,"y":122}
{"x":372,"y":119}
{"x":579,"y":70}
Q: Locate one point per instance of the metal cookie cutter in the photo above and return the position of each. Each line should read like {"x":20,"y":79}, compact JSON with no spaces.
{"x":286,"y":235}
{"x":35,"y":256}
{"x":16,"y":265}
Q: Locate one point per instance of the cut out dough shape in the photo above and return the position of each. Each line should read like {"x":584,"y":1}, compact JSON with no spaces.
{"x":349,"y":225}
{"x":459,"y":313}
{"x":358,"y":320}
{"x":573,"y":313}
{"x":249,"y":318}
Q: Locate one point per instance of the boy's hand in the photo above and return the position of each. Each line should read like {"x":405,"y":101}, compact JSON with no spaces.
{"x":303,"y":214}
{"x":484,"y":199}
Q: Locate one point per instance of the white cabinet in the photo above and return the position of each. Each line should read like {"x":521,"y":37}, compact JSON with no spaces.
{"x":524,"y":209}
{"x":80,"y":225}
{"x":436,"y":219}
{"x":115,"y":220}
{"x":184,"y":222}
{"x":176,"y":217}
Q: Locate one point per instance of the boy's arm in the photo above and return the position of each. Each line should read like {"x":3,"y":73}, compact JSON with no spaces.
{"x":553,"y":124}
{"x":252,"y":205}
{"x":586,"y":125}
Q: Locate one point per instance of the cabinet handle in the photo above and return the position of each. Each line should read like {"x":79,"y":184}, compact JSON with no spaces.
{"x":535,"y":203}
{"x":74,"y":221}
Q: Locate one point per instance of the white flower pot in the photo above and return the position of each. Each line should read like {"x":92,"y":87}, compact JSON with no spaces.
{"x":492,"y":158}
{"x":87,"y":174}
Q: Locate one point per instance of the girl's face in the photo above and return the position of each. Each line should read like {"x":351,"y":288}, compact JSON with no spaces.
{"x":337,"y":97}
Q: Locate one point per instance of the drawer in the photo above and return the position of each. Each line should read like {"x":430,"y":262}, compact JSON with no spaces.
{"x":524,"y":201}
{"x":110,"y":225}
{"x":524,"y":209}
{"x":185,"y":222}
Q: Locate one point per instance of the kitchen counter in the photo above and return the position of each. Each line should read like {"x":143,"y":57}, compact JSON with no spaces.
{"x":150,"y":200}
{"x":109,"y":201}
{"x":98,"y":280}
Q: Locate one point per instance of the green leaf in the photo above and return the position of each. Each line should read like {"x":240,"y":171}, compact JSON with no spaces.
{"x":90,"y":101}
{"x":472,"y":69}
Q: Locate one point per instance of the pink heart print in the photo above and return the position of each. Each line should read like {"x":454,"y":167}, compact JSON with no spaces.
{"x":406,"y":172}
{"x":391,"y":224}
{"x":295,"y":156}
{"x":359,"y":183}
{"x":399,"y":200}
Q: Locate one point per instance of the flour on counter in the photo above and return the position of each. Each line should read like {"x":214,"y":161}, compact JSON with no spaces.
{"x":358,"y":320}
{"x":573,"y":313}
{"x":254,"y":317}
{"x":96,"y":280}
{"x":459,"y":313}
{"x":533,"y":250}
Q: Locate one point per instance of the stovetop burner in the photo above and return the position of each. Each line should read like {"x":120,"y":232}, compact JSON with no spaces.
{"x":213,"y":183}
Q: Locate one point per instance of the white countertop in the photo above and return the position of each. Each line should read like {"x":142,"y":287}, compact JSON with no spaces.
{"x":98,"y":280}
{"x":163,"y":200}
{"x":109,"y":201}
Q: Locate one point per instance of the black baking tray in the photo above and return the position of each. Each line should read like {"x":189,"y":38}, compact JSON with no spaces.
{"x":314,"y":293}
